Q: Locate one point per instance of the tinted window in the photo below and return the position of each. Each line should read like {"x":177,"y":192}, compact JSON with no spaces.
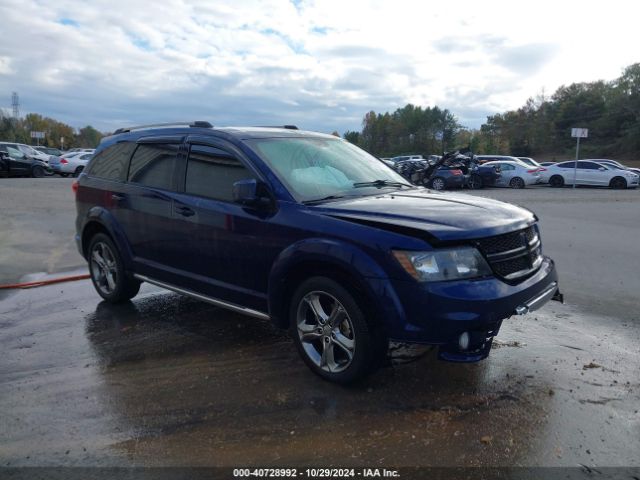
{"x":112,"y":162}
{"x":153,"y":165}
{"x":587,"y":165}
{"x":211,"y":172}
{"x":567,"y":165}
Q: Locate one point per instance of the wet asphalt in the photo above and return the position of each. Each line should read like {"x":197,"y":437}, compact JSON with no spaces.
{"x":170,"y":381}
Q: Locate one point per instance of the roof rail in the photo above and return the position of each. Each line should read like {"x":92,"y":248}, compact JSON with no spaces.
{"x":195,"y":124}
{"x":288,"y":127}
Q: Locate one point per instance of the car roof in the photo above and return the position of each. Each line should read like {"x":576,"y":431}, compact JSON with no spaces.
{"x":515,"y":162}
{"x":233,"y":131}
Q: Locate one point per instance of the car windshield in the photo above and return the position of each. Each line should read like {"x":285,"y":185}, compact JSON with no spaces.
{"x":314,"y":169}
{"x":610,"y":166}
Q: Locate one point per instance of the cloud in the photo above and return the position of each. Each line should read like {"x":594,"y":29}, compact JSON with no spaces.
{"x":525,"y":59}
{"x":321,"y":64}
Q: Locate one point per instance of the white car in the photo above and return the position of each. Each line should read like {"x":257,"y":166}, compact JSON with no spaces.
{"x":589,"y":172}
{"x":515,"y":174}
{"x":617,"y":165}
{"x":70,"y":163}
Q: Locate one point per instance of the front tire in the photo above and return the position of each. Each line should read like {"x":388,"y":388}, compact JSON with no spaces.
{"x":37,"y":172}
{"x":331,"y":331}
{"x":618,"y":183}
{"x":107,"y":271}
{"x":475,"y":182}
{"x":78,"y":171}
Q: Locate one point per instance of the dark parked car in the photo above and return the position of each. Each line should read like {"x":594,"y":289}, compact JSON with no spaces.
{"x":311,"y":232}
{"x":14,"y":163}
{"x":444,"y":176}
{"x":447,"y":177}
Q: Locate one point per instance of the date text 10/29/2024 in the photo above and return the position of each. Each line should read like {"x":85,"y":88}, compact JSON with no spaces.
{"x":315,"y":473}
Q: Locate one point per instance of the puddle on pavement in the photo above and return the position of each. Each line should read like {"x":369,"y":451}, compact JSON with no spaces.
{"x":167,"y":380}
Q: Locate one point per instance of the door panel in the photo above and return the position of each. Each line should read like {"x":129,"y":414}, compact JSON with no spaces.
{"x":227,"y":252}
{"x":147,"y":201}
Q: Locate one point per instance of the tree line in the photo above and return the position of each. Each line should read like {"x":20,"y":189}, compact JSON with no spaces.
{"x":19,"y":130}
{"x":541,"y":127}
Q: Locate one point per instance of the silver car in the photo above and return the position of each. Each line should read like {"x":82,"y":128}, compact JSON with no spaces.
{"x":515,"y":174}
{"x":70,"y":163}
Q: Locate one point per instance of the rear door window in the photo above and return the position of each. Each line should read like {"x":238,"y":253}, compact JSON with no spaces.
{"x":153,"y":165}
{"x":567,"y":165}
{"x":211,"y":172}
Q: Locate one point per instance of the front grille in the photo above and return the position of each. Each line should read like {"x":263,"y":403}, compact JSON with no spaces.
{"x":514,"y":255}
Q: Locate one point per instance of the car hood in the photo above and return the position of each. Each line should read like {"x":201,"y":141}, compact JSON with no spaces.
{"x":442,"y":216}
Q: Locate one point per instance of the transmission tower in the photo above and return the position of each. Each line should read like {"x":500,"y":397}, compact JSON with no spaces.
{"x":15,"y":104}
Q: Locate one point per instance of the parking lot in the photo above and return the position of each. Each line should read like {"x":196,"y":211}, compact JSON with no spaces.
{"x":168,"y":380}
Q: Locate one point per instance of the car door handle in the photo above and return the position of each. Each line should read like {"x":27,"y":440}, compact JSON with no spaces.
{"x":185,"y":211}
{"x":116,"y":197}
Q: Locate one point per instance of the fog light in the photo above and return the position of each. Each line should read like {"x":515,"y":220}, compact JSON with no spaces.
{"x":463,"y":341}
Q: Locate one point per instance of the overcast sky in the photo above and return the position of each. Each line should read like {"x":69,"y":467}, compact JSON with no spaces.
{"x":319,"y":64}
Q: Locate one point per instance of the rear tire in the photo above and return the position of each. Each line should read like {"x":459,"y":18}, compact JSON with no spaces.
{"x":107,"y":271}
{"x":438,"y":183}
{"x":332,"y":333}
{"x":556,"y":181}
{"x":618,"y":183}
{"x":516,"y":182}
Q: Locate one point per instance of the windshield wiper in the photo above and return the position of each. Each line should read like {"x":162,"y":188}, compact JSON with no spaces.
{"x":328,"y":197}
{"x":381,"y":183}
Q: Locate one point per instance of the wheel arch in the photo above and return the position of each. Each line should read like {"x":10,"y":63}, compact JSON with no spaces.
{"x":618,"y":178}
{"x":100,"y":220}
{"x":342,"y":262}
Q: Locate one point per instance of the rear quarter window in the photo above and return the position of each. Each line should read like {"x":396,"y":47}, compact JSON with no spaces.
{"x":112,"y":163}
{"x":153,"y":165}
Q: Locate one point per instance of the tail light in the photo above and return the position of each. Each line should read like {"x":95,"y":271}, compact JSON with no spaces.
{"x":535,"y":170}
{"x":74,"y":187}
{"x":456,"y":172}
{"x":542,"y":169}
{"x":64,"y":161}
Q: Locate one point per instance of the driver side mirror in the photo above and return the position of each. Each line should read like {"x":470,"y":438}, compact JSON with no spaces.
{"x":251,"y":193}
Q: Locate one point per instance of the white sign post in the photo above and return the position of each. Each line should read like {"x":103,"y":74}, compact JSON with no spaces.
{"x":37,"y":136}
{"x":578,"y":133}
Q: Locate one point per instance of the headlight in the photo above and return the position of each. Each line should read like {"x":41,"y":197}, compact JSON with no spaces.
{"x":438,"y":265}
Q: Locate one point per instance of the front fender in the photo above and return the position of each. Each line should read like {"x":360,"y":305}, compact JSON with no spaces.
{"x":106,"y":219}
{"x":342,"y":257}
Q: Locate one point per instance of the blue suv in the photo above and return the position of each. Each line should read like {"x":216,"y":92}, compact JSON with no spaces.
{"x":311,"y":232}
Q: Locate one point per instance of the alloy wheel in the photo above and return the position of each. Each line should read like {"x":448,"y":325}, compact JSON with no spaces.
{"x":517,"y":182}
{"x":104,"y":268}
{"x":325,"y":331}
{"x":437,"y":184}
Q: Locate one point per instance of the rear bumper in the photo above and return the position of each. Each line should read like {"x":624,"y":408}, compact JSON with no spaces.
{"x":439,"y":313}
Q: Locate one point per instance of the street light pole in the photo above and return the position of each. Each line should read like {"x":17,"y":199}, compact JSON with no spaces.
{"x":575,"y":165}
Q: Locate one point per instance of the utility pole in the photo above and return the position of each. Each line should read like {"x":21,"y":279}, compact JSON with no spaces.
{"x":15,"y":104}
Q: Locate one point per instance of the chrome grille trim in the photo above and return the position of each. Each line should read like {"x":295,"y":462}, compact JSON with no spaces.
{"x":512,"y":255}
